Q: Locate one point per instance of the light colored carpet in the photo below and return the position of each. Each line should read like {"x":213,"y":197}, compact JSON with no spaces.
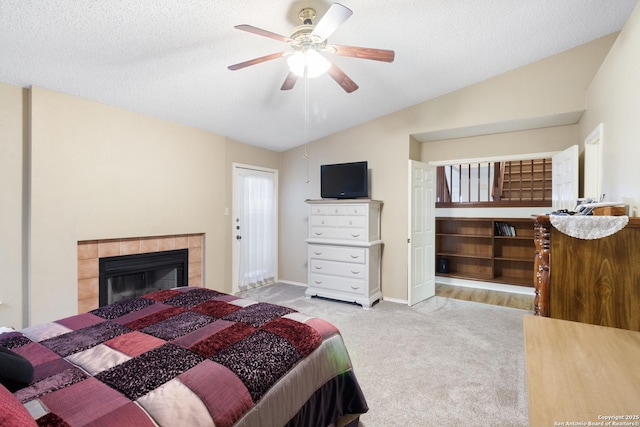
{"x":442,"y":362}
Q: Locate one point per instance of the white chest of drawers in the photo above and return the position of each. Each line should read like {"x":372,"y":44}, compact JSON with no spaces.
{"x":344,"y":250}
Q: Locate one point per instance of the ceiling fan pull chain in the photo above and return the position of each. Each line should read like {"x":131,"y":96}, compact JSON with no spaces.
{"x":306,"y":119}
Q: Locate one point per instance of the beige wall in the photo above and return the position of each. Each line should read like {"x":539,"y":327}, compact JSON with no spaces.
{"x":614,"y":100}
{"x":99,"y":172}
{"x":387,"y":153}
{"x":554,"y":85}
{"x":543,"y":140}
{"x":11,"y":206}
{"x":294,"y":190}
{"x":415,"y":149}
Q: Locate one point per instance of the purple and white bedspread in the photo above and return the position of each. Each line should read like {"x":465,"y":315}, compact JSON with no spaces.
{"x":188,"y":356}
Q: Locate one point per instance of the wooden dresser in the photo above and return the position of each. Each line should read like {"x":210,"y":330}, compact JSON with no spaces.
{"x":590,"y":281}
{"x":344,"y":250}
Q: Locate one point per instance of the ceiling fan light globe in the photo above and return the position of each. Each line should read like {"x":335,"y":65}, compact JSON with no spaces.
{"x":315,"y":63}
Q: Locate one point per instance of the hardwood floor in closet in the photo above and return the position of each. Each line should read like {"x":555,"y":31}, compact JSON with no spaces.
{"x":505,"y":299}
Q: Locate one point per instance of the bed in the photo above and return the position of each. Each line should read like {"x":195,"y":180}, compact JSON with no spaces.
{"x":187,"y":356}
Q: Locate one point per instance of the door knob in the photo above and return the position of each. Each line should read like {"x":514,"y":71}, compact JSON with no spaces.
{"x":238,"y":237}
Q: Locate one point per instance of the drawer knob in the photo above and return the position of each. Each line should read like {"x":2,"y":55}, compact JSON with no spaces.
{"x":355,"y":287}
{"x":317,"y":267}
{"x":353,"y":256}
{"x":317,"y":253}
{"x":350,"y":223}
{"x":336,"y":210}
{"x":355,"y":235}
{"x":355,"y":272}
{"x":318,"y":233}
{"x":317,"y":282}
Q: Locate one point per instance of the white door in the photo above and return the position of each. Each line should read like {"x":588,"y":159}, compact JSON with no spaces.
{"x":255,"y":227}
{"x":565,"y":179}
{"x":421,"y":243}
{"x":593,"y":164}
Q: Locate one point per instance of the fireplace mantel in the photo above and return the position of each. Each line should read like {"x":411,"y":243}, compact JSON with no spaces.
{"x":90,"y":251}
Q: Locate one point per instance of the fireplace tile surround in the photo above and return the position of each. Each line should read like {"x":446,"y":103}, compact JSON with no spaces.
{"x":89,"y":251}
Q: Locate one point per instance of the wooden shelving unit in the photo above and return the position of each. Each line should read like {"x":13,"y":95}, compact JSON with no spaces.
{"x":475,"y":250}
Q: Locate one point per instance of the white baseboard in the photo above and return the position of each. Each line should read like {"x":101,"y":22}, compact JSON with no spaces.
{"x":501,"y":287}
{"x":396,"y":300}
{"x":523,"y":290}
{"x":289,"y":282}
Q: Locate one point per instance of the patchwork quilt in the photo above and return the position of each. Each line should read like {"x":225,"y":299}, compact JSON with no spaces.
{"x":187,"y":356}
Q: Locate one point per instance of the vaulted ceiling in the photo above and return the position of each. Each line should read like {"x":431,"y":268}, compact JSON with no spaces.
{"x":169,"y":59}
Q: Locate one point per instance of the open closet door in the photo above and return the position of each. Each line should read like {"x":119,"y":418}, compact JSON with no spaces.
{"x":421,"y":242}
{"x":565,"y":179}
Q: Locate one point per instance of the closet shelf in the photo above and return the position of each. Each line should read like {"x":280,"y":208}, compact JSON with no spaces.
{"x":499,"y":250}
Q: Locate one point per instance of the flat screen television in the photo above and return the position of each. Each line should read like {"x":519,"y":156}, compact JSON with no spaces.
{"x":344,"y":181}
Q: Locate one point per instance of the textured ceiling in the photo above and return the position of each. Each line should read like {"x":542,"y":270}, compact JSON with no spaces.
{"x":168,"y":58}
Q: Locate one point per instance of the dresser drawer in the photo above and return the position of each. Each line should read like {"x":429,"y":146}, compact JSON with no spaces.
{"x":340,"y":284}
{"x":324,"y":220}
{"x":357,"y":209}
{"x":339,"y":210}
{"x":351,"y":221}
{"x":329,"y":210}
{"x":337,"y":253}
{"x":336,"y":268}
{"x":358,"y":234}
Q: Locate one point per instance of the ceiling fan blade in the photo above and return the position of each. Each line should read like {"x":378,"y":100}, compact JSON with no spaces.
{"x":331,"y":20}
{"x":365,"y":53}
{"x":342,"y":79}
{"x":255,"y":61}
{"x":289,"y":81}
{"x":261,"y":32}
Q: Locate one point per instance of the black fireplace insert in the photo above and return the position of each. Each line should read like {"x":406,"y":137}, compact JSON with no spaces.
{"x":128,"y":276}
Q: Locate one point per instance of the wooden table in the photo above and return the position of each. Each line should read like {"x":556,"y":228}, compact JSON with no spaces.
{"x":581,"y":373}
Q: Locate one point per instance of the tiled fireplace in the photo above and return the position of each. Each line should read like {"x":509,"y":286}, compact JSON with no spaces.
{"x":90,"y":251}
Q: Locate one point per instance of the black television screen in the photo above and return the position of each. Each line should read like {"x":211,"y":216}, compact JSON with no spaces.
{"x":344,"y":181}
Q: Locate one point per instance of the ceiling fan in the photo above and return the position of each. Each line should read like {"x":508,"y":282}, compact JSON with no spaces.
{"x":308,"y":42}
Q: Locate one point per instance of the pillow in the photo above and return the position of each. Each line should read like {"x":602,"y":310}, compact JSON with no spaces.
{"x":16,"y":371}
{"x":13,"y":412}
